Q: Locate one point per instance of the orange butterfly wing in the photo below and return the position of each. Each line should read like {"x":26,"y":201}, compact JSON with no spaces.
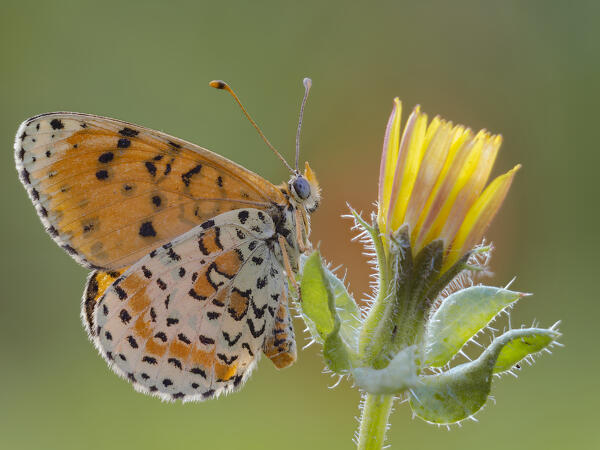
{"x":109,"y":191}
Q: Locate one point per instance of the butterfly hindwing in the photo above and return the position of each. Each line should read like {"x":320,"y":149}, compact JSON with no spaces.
{"x":109,"y":192}
{"x":190,"y":319}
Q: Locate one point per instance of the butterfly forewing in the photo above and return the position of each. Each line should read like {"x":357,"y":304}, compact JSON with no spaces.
{"x":190,"y":319}
{"x":109,"y":192}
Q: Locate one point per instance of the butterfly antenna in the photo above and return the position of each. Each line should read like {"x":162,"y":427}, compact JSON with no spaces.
{"x":307,"y":82}
{"x":218,"y":84}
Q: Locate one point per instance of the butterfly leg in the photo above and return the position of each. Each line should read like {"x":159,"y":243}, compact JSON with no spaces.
{"x":286,"y":263}
{"x":280,"y":344}
{"x":299,"y":222}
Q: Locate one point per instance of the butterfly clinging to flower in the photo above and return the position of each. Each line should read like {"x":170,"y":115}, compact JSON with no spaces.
{"x":191,"y":253}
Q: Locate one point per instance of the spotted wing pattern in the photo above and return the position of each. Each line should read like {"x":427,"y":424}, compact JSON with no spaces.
{"x":109,"y":192}
{"x":97,"y":283}
{"x":189,"y":320}
{"x":280,"y":343}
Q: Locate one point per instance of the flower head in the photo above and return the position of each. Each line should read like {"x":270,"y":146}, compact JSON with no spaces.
{"x":433,"y":209}
{"x":432,"y":179}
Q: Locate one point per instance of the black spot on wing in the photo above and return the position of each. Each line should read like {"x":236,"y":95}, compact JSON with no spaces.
{"x":227,"y":360}
{"x":162,"y":336}
{"x":120,"y":292}
{"x":261,"y":282}
{"x":258,"y":312}
{"x":147,"y":230}
{"x":149,"y":360}
{"x":123,"y":143}
{"x":192,"y":293}
{"x":128,"y":132}
{"x":174,"y":256}
{"x":206,"y":340}
{"x":132,"y":342}
{"x":255,"y":333}
{"x":198,"y":371}
{"x":187,"y":177}
{"x":183,"y":338}
{"x":25,"y":176}
{"x":106,"y":157}
{"x":243,"y":216}
{"x":56,"y":124}
{"x":125,"y":317}
{"x":151,"y":168}
{"x":146,"y":272}
{"x":208,"y":224}
{"x":231,"y":342}
{"x":175,"y":362}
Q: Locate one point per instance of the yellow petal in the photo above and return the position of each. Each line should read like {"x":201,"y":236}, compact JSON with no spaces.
{"x":473,"y":187}
{"x":479,"y":217}
{"x":459,"y":136}
{"x":408,"y":166}
{"x":457,"y":175}
{"x":434,"y":160}
{"x":389,"y":156}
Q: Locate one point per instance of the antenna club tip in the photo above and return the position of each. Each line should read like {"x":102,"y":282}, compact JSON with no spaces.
{"x":307,"y":82}
{"x":218,"y":84}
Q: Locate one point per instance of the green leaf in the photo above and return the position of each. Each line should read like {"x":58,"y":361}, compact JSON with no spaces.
{"x":330,"y":313}
{"x":398,"y":376}
{"x":347,"y":310}
{"x":460,"y":317}
{"x":317,"y":299}
{"x":337,"y":356}
{"x":460,"y":392}
{"x":518,"y":347}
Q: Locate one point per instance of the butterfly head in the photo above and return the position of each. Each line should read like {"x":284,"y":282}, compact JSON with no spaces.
{"x":304,"y":189}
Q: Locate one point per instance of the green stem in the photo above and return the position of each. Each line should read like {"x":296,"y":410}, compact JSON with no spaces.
{"x":373,"y":421}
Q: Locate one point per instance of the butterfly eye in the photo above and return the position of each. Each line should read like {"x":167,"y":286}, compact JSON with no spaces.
{"x":302,"y":188}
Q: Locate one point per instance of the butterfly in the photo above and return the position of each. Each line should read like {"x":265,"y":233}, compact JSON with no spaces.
{"x":191,"y":254}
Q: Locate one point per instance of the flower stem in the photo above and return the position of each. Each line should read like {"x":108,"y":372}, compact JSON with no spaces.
{"x":374,"y":420}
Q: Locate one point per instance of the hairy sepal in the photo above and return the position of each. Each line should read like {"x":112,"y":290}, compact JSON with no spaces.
{"x":331,"y":314}
{"x":460,"y":392}
{"x":399,"y":375}
{"x":460,"y":317}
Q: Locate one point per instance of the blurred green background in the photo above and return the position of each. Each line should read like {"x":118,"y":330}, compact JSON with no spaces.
{"x":528,"y":70}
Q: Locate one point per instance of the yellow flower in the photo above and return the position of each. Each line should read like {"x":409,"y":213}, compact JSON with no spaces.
{"x":432,"y":179}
